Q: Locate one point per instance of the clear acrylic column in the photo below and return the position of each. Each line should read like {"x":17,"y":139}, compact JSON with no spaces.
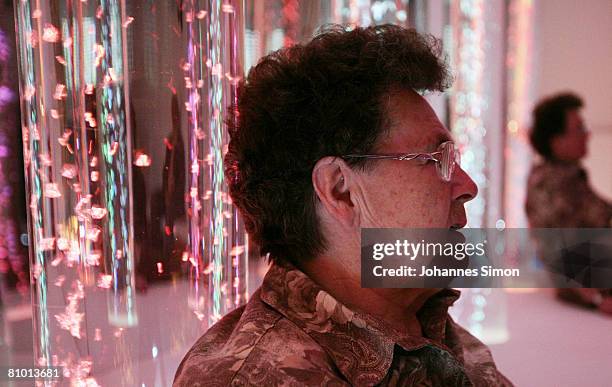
{"x":136,"y":247}
{"x":76,"y":153}
{"x":213,"y":67}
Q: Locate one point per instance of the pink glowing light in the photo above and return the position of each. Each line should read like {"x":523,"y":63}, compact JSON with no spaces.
{"x":141,"y":159}
{"x":128,"y":21}
{"x":46,"y":244}
{"x":60,"y":91}
{"x":234,"y":80}
{"x":209,"y":269}
{"x":50,"y":33}
{"x":78,"y":372}
{"x":52,"y":191}
{"x":208,"y":159}
{"x":45,"y":159}
{"x":104,"y":281}
{"x":57,"y":260}
{"x":188,"y":84}
{"x":98,"y":334}
{"x":81,"y":209}
{"x":112,"y":74}
{"x":63,"y":141}
{"x":89,"y":118}
{"x":63,"y":244}
{"x":33,"y":202}
{"x":98,"y":212}
{"x":71,"y":319}
{"x":36,"y":270}
{"x":237,"y":250}
{"x":69,"y":171}
{"x":31,"y":39}
{"x":195,"y":168}
{"x":29,"y":92}
{"x":93,"y":234}
{"x":93,"y":258}
{"x":200,"y":316}
{"x":73,"y":256}
{"x":114,"y":148}
{"x":59,"y":281}
{"x":99,"y":52}
{"x":217,"y":70}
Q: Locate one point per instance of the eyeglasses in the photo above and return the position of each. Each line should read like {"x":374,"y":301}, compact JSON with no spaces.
{"x":446,"y":157}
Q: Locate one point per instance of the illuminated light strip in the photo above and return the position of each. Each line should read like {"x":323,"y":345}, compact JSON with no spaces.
{"x":216,"y":230}
{"x":520,"y":98}
{"x":467,"y":98}
{"x":114,"y":128}
{"x":197,"y":243}
{"x":216,"y":249}
{"x":33,"y":178}
{"x":237,"y":261}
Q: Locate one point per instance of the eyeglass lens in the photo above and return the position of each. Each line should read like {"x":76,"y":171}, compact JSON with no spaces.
{"x":448,"y":158}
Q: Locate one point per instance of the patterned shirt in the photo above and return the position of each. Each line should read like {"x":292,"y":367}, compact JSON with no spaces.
{"x":559,"y":195}
{"x":293,"y":333}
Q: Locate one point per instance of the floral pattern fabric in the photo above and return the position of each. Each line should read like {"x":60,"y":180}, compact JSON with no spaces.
{"x":559,"y":195}
{"x":293,"y":333}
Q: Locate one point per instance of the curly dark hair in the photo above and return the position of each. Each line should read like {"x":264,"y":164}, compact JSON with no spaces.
{"x":304,"y":102}
{"x":549,"y":120}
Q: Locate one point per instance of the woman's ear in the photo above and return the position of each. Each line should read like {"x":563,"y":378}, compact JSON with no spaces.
{"x":331,"y":179}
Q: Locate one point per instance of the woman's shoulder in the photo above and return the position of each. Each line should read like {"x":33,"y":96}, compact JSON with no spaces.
{"x":554,"y":173}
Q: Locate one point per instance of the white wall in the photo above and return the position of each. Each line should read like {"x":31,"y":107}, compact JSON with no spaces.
{"x":574,"y":52}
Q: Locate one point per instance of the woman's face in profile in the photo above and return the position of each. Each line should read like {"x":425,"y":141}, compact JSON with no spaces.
{"x":571,"y":145}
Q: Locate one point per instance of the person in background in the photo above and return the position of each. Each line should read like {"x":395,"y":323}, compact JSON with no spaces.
{"x":558,"y":191}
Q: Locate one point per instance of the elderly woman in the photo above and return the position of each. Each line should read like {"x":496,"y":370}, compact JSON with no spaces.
{"x":558,"y":191}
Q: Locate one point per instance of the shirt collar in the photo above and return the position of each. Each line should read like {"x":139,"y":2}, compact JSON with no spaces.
{"x":360,"y":345}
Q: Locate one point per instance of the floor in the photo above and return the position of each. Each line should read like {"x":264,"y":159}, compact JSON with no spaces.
{"x":555,"y":344}
{"x":535,"y":340}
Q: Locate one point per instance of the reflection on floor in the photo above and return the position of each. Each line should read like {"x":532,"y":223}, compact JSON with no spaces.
{"x":555,"y":344}
{"x":15,"y":334}
{"x":540,"y":341}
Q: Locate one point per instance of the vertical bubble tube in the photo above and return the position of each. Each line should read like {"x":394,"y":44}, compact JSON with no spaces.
{"x":77,"y":157}
{"x":213,"y":67}
{"x":468,"y":99}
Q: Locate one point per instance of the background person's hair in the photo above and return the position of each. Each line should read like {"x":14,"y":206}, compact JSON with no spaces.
{"x":308,"y":101}
{"x":549,"y":119}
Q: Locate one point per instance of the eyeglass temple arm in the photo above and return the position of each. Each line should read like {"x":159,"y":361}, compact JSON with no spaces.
{"x":402,"y":157}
